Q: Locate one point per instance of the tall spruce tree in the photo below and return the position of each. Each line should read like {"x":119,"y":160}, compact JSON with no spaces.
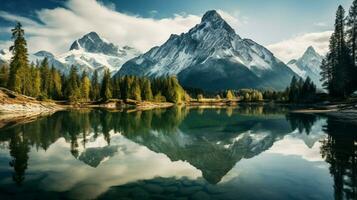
{"x":45,"y":78}
{"x":338,"y":66}
{"x":95,"y":87}
{"x":36,"y":81}
{"x":85,"y":86}
{"x":135,"y":91}
{"x":352,"y":42}
{"x":352,"y":30}
{"x":72,"y":91}
{"x":19,"y":61}
{"x":56,"y":84}
{"x":4,"y":75}
{"x":146,"y":90}
{"x":106,"y":90}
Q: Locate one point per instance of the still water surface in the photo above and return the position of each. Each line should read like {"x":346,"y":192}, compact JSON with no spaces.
{"x":179,"y":153}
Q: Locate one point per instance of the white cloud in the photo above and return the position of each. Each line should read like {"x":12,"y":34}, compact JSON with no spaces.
{"x":58,"y":28}
{"x":295,"y":146}
{"x":294,"y":47}
{"x":61,"y":26}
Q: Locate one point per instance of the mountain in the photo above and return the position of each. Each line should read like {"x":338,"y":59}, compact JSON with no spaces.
{"x":212,"y":56}
{"x":308,"y":65}
{"x":89,"y":53}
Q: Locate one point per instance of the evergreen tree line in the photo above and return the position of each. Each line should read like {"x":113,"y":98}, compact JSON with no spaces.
{"x":250,"y":95}
{"x":44,"y":82}
{"x":271,"y":95}
{"x":145,"y":89}
{"x":338,"y":68}
{"x":301,"y":91}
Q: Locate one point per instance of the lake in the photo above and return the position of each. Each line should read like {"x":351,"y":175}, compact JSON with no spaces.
{"x":245,"y":152}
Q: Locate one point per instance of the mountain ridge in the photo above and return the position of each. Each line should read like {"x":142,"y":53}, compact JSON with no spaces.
{"x":89,"y":53}
{"x":308,"y":65}
{"x":212,"y":56}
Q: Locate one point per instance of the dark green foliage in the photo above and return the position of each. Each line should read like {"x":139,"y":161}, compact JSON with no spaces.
{"x":19,"y":67}
{"x":339,"y":67}
{"x":72,"y":89}
{"x":4,"y":75}
{"x":45,"y":78}
{"x":271,"y":95}
{"x":301,"y":91}
{"x":146,"y":91}
{"x":85,"y":86}
{"x":106,"y":89}
{"x":95,"y":87}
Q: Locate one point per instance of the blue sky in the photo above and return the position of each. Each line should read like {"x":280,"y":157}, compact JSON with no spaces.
{"x":269,"y":22}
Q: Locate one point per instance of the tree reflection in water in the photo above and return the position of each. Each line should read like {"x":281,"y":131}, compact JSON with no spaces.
{"x":207,"y":129}
{"x":340,"y":151}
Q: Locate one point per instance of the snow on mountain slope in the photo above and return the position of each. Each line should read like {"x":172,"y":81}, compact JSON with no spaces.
{"x":210,"y":52}
{"x":308,"y":65}
{"x":88,"y":53}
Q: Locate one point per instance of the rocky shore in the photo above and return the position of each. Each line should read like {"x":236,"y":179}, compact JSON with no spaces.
{"x":344,"y":111}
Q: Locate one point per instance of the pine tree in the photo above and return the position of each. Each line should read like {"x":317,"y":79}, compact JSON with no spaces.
{"x":352,"y":30}
{"x":115,"y":88}
{"x":45,"y":78}
{"x":95,"y":87}
{"x":36,"y":81}
{"x":19,"y":61}
{"x":56,"y":84}
{"x":126,"y":85}
{"x":341,"y":60}
{"x":293,"y":89}
{"x":352,"y":43}
{"x":105,"y":91}
{"x":146,"y":90}
{"x":135,"y":92}
{"x":85,"y":86}
{"x":72,"y":91}
{"x":4,"y":75}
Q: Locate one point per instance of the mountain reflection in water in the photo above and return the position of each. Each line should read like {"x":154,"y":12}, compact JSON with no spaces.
{"x":250,"y":152}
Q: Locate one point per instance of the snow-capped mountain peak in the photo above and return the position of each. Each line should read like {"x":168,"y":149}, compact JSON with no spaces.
{"x":214,"y":19}
{"x":212,"y":49}
{"x":310,"y":51}
{"x":308,"y":65}
{"x":44,"y":54}
{"x":93,"y":43}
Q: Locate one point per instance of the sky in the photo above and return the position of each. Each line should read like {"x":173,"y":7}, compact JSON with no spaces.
{"x":286,"y":27}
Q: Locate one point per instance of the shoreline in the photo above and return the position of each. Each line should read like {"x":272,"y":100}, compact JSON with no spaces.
{"x":17,"y":108}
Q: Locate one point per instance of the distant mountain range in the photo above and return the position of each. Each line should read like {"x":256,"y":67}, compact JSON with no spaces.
{"x":210,"y":56}
{"x":89,"y":53}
